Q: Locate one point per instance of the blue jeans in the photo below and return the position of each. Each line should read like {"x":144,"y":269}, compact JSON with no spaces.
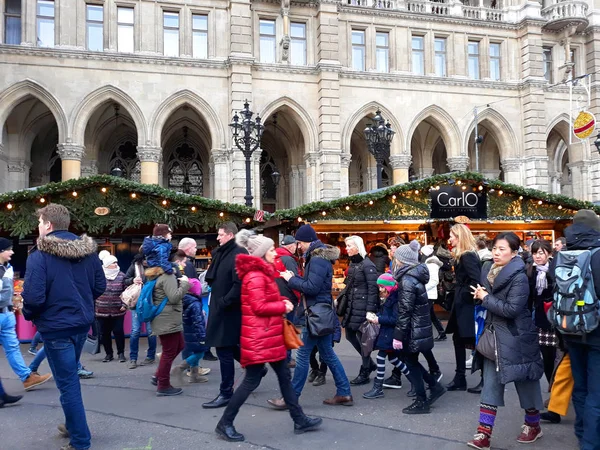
{"x":63,"y":357}
{"x":10,"y":342}
{"x":325,"y":346}
{"x":36,"y":340}
{"x":134,"y":338}
{"x":40,"y":357}
{"x":585,"y":366}
{"x":194,"y":359}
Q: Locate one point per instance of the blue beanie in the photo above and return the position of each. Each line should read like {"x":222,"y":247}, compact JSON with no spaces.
{"x":306,"y":233}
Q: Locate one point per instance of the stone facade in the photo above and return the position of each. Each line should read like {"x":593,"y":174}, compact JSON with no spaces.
{"x":74,"y":103}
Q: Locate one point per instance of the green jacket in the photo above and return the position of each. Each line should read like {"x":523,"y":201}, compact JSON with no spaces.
{"x":171,"y":319}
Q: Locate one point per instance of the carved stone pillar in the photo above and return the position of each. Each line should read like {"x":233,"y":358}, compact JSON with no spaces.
{"x":580,"y":179}
{"x":150,"y":158}
{"x":400,"y":165}
{"x":295,"y":189}
{"x":311,"y":160}
{"x":512,"y":170}
{"x":18,"y":174}
{"x":345,"y":160}
{"x":71,"y":156}
{"x":458,"y":163}
{"x":256,"y":179}
{"x":89,"y":168}
{"x":219,"y":160}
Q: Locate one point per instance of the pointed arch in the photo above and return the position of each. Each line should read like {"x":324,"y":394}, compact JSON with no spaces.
{"x":398,"y":147}
{"x":561,"y":125}
{"x":503,"y":132}
{"x":445,"y":125}
{"x":204,"y":110}
{"x":16,"y":93}
{"x":303,"y":120}
{"x":86,"y":108}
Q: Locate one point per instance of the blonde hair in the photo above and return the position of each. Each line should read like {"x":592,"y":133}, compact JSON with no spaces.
{"x":466,"y":241}
{"x":359,"y":243}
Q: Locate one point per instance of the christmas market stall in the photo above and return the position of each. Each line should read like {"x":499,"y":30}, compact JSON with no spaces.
{"x":118,"y":213}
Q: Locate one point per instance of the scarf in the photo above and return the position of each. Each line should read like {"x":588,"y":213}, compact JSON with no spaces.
{"x":541,"y":282}
{"x":493,"y":273}
{"x":111,"y":274}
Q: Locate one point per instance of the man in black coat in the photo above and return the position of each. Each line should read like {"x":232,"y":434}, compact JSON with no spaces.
{"x":224,"y":313}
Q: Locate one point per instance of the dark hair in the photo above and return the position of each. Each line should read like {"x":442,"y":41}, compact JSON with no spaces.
{"x":179,"y":255}
{"x":562,"y":240}
{"x":57,"y":215}
{"x":481,"y":243}
{"x":229,"y":227}
{"x":513,"y":240}
{"x":541,"y":244}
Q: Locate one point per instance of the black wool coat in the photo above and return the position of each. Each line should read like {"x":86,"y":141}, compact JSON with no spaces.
{"x":363,"y":293}
{"x":462,"y":317}
{"x":224,"y":311}
{"x":519,"y":356}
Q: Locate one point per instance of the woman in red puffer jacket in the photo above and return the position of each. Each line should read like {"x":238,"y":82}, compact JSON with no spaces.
{"x":262,"y":334}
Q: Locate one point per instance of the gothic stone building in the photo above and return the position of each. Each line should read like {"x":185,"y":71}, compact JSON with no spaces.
{"x":151,"y":86}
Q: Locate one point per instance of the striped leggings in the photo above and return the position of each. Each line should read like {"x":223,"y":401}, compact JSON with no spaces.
{"x":393,"y":359}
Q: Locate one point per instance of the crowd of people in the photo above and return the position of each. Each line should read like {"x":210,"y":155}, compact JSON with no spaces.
{"x":501,"y":297}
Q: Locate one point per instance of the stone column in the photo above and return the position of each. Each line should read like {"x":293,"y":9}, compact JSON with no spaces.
{"x":150,"y":158}
{"x":426,"y":172}
{"x":18,"y":174}
{"x":89,"y":168}
{"x":580,"y":179}
{"x":28,"y":23}
{"x":512,"y":170}
{"x":256,"y":179}
{"x":295,"y":187}
{"x":3,"y":170}
{"x":220,"y":182}
{"x":458,"y":163}
{"x":400,"y":165}
{"x":345,"y":160}
{"x":491,"y":174}
{"x":71,"y":155}
{"x":312,"y":160}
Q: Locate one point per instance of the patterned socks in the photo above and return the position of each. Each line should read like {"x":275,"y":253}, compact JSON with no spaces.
{"x":380,"y":366}
{"x":395,"y":361}
{"x":487,"y":416}
{"x":532,"y":417}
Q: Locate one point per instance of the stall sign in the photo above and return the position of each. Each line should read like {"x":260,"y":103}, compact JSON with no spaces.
{"x":452,"y":201}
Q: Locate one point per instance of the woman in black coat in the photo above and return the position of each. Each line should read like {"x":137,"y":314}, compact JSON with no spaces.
{"x":461,"y":324}
{"x":363,"y":297}
{"x":504,"y":292}
{"x":540,"y":300}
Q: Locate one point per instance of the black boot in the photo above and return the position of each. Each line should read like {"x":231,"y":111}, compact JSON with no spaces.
{"x":312,"y":375}
{"x":208,"y":356}
{"x":419,"y":406}
{"x":376,"y":391}
{"x":459,"y":383}
{"x":218,"y":402}
{"x":229,"y":433}
{"x":308,"y":424}
{"x":436,"y":391}
{"x":9,"y":399}
{"x":477,"y":389}
{"x":362,"y":378}
{"x":441,"y":337}
{"x":320,"y":379}
{"x":550,"y":416}
{"x":412,"y":393}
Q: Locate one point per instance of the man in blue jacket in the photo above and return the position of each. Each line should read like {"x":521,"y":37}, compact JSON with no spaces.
{"x":315,"y":285}
{"x":63,"y":278}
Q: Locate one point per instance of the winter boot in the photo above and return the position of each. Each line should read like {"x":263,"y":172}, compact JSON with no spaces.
{"x":376,"y":391}
{"x":319,"y":379}
{"x":195,"y":376}
{"x":419,"y":406}
{"x":459,"y":383}
{"x":312,"y":375}
{"x":436,"y":391}
{"x":179,"y":370}
{"x":362,"y":378}
{"x":394,"y":381}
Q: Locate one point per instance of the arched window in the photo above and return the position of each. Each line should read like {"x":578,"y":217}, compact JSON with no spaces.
{"x":55,"y":166}
{"x":267,"y":185}
{"x":184,"y":171}
{"x":125,"y":158}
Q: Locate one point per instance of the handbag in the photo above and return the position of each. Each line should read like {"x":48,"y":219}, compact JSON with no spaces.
{"x":91,"y":345}
{"x":291,"y":335}
{"x":370,"y":333}
{"x":320,"y":318}
{"x":131,"y":294}
{"x":342,"y":302}
{"x":486,"y":345}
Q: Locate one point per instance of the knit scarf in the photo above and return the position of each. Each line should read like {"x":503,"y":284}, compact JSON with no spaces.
{"x":541,"y":282}
{"x":111,"y":274}
{"x":493,"y":273}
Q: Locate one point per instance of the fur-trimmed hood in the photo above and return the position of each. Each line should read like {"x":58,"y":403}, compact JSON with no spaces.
{"x":434,"y":260}
{"x":153,"y":273}
{"x":244,"y":264}
{"x":67,"y":245}
{"x":328,"y":252}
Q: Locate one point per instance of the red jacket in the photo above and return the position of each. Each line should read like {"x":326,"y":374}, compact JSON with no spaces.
{"x":262,"y":312}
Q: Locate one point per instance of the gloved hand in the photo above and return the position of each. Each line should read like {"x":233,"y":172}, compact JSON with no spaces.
{"x":397,"y":344}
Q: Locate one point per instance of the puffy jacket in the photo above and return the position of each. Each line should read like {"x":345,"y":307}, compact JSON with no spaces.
{"x":63,"y":278}
{"x":519,"y":356}
{"x":433,"y":265}
{"x":318,"y":273}
{"x":109,"y":304}
{"x":388,"y":316}
{"x":194,"y":325}
{"x":379,"y":256}
{"x":158,"y":252}
{"x":363,"y":293}
{"x":413,"y":326}
{"x":263,"y":308}
{"x":171,"y":318}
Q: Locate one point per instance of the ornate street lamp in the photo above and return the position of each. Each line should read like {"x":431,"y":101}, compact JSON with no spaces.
{"x":379,"y":136}
{"x":276,"y":176}
{"x":246,"y":136}
{"x":116,"y":172}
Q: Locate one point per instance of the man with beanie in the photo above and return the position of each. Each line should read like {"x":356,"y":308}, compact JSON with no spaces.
{"x":316,"y":287}
{"x":8,"y":321}
{"x":64,"y":277}
{"x":584,"y":351}
{"x":225,"y":313}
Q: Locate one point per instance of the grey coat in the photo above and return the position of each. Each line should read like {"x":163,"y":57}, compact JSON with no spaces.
{"x":519,"y":356}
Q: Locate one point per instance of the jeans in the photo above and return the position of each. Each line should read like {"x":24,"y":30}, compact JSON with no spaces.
{"x":134,"y":338}
{"x":194,"y":359}
{"x":10,"y":342}
{"x":226,"y":356}
{"x":585,"y":366}
{"x":36,"y":340}
{"x":492,"y":393}
{"x":418,"y":376}
{"x":252,"y":380}
{"x":172,"y":345}
{"x":40,"y":357}
{"x":325,"y":346}
{"x":63,"y":357}
{"x":354,"y":337}
{"x":109,"y":326}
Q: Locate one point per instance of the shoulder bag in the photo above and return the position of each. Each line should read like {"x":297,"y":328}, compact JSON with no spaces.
{"x":487,"y":343}
{"x":291,"y":335}
{"x":320,"y":318}
{"x":131,"y":294}
{"x":343,"y":298}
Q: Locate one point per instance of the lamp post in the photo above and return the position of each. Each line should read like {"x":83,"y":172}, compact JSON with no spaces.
{"x":246,"y":136}
{"x":379,"y":136}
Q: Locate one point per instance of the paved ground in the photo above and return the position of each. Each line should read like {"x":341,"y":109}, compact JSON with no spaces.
{"x":124,"y":414}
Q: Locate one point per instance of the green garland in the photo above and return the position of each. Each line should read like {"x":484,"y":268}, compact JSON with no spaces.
{"x":17,"y":209}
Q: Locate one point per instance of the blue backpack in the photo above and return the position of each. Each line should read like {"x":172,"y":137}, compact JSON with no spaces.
{"x":145,"y":308}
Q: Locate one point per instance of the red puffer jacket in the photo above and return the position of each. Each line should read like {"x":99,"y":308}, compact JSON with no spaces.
{"x":262,"y":312}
